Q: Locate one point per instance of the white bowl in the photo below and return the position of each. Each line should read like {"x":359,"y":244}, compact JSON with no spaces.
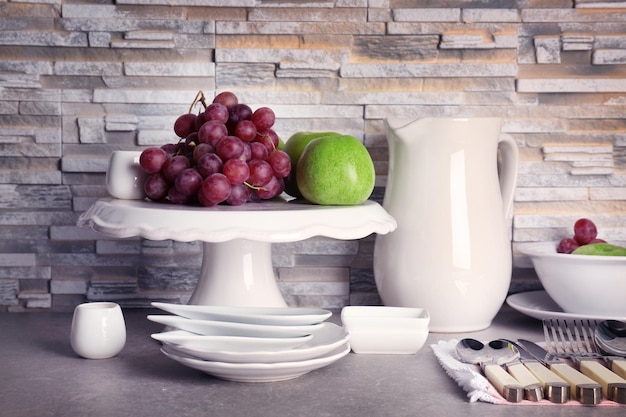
{"x":580,"y":284}
{"x":386,"y":330}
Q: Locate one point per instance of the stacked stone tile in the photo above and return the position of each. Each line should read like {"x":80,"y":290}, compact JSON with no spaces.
{"x":79,"y":80}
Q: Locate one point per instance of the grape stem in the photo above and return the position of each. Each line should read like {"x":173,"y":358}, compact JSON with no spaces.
{"x":254,"y":187}
{"x":200,"y":98}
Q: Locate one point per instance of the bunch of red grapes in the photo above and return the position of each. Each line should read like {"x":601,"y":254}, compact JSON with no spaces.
{"x":585,"y":232}
{"x":227,"y":154}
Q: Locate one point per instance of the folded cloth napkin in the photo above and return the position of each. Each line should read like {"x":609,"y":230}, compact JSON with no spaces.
{"x":468,"y":376}
{"x":478,"y":388}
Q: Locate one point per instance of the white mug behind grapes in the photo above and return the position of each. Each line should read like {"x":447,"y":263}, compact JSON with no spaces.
{"x":125,"y":178}
{"x":98,"y":330}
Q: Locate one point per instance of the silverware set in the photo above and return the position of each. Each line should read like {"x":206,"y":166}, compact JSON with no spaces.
{"x":570,"y":366}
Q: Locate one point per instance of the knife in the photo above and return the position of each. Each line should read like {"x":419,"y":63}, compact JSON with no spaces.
{"x":586,"y":390}
{"x":555,"y":388}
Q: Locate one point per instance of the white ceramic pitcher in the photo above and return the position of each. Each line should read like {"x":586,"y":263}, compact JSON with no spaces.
{"x":451,"y":192}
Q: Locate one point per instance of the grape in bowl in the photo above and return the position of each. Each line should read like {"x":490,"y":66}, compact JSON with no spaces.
{"x":580,"y":284}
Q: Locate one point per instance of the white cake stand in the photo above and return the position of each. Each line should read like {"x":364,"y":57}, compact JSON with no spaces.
{"x":237,"y":260}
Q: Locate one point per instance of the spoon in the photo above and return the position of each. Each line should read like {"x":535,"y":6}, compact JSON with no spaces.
{"x":490,"y":358}
{"x":610,"y":337}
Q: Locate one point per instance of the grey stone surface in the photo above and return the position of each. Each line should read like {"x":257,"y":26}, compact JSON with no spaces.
{"x":142,"y":381}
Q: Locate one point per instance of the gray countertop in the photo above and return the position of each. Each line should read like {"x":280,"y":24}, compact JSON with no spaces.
{"x":41,"y":376}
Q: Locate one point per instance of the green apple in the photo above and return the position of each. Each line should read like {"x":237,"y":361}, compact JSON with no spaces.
{"x":294,"y":147}
{"x":600,"y":249}
{"x":336,"y":170}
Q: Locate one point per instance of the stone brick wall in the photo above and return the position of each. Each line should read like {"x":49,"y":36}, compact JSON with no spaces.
{"x":81,"y":79}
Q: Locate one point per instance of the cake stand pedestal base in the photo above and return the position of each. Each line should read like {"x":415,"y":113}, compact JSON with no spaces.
{"x":237,"y":273}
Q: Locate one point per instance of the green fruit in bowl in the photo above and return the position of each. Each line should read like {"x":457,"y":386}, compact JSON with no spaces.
{"x":336,"y":170}
{"x":600,"y":249}
{"x":294,"y":147}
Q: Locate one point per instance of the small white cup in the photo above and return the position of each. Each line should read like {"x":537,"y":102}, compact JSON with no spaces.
{"x":98,"y":330}
{"x":125,"y":178}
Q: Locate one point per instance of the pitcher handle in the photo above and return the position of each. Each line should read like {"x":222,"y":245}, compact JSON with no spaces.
{"x":508,"y":165}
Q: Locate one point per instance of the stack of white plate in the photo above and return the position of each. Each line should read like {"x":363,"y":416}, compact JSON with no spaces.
{"x":250,"y":344}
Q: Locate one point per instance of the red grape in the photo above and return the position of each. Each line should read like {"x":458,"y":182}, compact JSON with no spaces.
{"x":245,"y":130}
{"x":203,"y":200}
{"x":238,"y":113}
{"x":273,"y":187}
{"x":192,"y":139}
{"x":169,"y":148}
{"x":229,"y":147}
{"x":155,"y":187}
{"x":209,"y":164}
{"x":280,"y":162}
{"x":269,"y":138}
{"x":567,"y":245}
{"x":585,"y":231}
{"x":176,"y":197}
{"x":199,"y":120}
{"x":226,"y":153}
{"x":212,"y":132}
{"x":184,"y":149}
{"x":236,"y":170}
{"x":201,"y":149}
{"x":226,"y":98}
{"x":261,"y":173}
{"x":153,"y":159}
{"x":216,"y":111}
{"x":185,"y":124}
{"x":174,"y":166}
{"x":258,"y":151}
{"x":263,"y":118}
{"x":216,"y":188}
{"x":188,"y":182}
{"x":246,"y":155}
{"x":239,"y":194}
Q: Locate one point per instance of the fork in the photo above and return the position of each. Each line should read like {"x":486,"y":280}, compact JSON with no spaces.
{"x":575,"y":341}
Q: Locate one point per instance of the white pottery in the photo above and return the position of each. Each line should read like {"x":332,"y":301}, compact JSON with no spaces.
{"x":98,"y":330}
{"x":385,"y":330}
{"x":125,"y":178}
{"x":237,"y":266}
{"x":451,"y":253}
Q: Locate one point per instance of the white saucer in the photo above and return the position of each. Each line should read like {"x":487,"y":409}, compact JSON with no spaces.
{"x":278,"y":316}
{"x":259,"y":372}
{"x":324,"y":340}
{"x":231,"y":343}
{"x":539,"y":305}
